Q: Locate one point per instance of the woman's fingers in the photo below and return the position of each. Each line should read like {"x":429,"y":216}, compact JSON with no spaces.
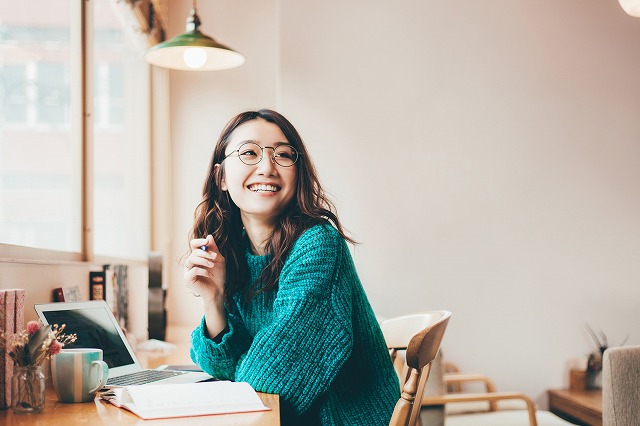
{"x":211,"y":244}
{"x":197,"y":243}
{"x":195,"y":275}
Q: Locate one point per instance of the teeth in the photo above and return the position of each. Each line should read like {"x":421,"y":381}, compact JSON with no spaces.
{"x":263,"y":187}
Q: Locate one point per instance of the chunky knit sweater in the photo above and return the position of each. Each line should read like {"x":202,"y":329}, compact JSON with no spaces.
{"x":315,"y":341}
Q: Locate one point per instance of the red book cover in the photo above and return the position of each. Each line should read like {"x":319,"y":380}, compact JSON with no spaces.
{"x":9,"y":330}
{"x":21,"y":294}
{"x":3,"y":309}
{"x":58,"y":295}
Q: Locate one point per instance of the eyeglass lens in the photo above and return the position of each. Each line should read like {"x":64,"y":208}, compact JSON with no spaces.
{"x":251,"y":153}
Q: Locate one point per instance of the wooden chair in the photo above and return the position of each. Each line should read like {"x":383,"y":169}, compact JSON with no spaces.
{"x":413,"y":342}
{"x":456,"y":379}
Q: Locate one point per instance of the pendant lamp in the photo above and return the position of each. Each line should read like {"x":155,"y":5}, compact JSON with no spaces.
{"x":193,"y":51}
{"x":632,"y":7}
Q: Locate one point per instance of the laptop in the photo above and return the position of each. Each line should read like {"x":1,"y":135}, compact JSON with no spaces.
{"x":96,"y":327}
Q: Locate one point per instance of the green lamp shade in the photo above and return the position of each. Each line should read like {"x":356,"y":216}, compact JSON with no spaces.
{"x":193,"y":51}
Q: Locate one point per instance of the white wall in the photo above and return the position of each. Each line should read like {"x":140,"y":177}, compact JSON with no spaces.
{"x":486,"y":155}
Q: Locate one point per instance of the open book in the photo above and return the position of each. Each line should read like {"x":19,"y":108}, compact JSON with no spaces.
{"x":185,"y":399}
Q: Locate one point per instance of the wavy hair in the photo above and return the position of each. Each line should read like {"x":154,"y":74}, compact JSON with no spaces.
{"x":219,"y":216}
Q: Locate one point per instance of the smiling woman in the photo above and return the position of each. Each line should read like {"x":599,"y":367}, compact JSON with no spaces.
{"x":284,"y":309}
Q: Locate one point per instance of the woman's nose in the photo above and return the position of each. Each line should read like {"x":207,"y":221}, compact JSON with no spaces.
{"x":267,"y":165}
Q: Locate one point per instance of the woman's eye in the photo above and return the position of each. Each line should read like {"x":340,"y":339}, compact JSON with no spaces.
{"x":283,"y":155}
{"x":284,"y":152}
{"x":248,"y":153}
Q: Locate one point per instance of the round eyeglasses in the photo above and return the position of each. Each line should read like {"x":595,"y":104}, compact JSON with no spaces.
{"x":250,"y":153}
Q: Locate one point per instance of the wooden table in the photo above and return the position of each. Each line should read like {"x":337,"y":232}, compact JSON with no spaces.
{"x":584,"y":407}
{"x":104,"y":413}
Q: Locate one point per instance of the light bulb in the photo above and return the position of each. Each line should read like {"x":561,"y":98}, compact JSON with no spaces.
{"x":194,"y":57}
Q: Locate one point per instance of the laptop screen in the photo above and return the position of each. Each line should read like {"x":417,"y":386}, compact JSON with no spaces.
{"x":94,"y":329}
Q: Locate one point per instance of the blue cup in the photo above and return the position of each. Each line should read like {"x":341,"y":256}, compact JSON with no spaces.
{"x":78,"y":374}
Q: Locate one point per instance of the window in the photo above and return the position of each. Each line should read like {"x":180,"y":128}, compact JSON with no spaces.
{"x":40,"y":150}
{"x":121,"y":143}
{"x":42,"y":139}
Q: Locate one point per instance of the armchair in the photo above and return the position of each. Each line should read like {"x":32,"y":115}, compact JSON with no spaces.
{"x":620,"y":389}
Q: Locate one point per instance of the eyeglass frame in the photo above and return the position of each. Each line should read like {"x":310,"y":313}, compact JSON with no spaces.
{"x":262,"y":148}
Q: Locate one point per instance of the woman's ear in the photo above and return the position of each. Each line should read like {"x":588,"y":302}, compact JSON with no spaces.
{"x":217,"y":169}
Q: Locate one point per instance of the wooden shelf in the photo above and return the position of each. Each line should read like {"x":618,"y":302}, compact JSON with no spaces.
{"x":584,"y":407}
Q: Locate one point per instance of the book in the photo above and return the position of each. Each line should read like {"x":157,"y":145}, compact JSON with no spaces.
{"x":4,"y":400}
{"x":185,"y":399}
{"x":17,"y":313}
{"x":9,"y":330}
{"x":72,"y":294}
{"x":21,"y":295}
{"x":116,"y":292}
{"x":58,"y":295}
{"x":97,"y":285}
{"x":67,"y":294}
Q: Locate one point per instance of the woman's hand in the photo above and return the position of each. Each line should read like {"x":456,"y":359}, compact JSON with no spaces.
{"x":205,"y":274}
{"x":205,"y":269}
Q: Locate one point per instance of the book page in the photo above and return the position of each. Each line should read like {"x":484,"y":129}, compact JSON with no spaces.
{"x":192,"y":399}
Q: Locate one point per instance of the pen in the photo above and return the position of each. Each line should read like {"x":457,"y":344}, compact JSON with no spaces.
{"x":204,"y":248}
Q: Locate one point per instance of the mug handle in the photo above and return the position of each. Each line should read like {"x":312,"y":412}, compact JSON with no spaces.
{"x":102,"y":369}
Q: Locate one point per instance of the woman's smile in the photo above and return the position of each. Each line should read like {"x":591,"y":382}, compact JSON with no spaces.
{"x":263,"y":187}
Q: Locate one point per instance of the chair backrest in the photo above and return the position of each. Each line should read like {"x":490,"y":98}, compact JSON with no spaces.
{"x":413,"y":342}
{"x":620,"y":386}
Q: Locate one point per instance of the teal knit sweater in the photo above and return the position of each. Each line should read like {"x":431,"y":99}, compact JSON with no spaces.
{"x":315,"y":341}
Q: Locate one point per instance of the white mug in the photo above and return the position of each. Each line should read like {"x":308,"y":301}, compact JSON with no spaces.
{"x":78,"y":374}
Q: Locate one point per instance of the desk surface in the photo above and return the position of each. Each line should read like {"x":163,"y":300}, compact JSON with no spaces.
{"x":583,"y":406}
{"x":102,"y":412}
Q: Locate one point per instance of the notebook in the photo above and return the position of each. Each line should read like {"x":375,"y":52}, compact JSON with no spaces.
{"x":96,"y":327}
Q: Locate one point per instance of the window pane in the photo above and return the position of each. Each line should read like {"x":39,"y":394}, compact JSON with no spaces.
{"x":52,"y":92}
{"x":14,"y":79}
{"x":40,"y":146}
{"x":121,"y":135}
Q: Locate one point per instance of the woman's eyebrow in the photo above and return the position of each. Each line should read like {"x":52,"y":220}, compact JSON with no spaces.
{"x":277,"y":143}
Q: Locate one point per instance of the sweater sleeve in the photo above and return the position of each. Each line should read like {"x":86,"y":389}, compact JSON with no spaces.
{"x":219,"y":359}
{"x":300,"y":352}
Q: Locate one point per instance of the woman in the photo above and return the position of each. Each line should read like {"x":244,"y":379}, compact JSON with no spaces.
{"x":284,"y":309}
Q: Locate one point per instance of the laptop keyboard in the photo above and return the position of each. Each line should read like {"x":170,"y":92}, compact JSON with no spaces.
{"x":143,"y":377}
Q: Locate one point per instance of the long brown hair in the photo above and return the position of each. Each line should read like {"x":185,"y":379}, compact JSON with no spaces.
{"x":218,"y":215}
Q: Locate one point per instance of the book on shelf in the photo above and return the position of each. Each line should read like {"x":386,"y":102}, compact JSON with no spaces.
{"x":11,"y":322}
{"x":72,"y":294}
{"x":67,"y":294}
{"x":185,"y":399}
{"x":58,"y":295}
{"x":97,"y":285}
{"x":116,"y":292}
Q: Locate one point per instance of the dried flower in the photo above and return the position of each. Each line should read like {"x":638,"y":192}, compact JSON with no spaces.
{"x":594,"y":362}
{"x":32,"y":327}
{"x":55,"y":348}
{"x":37,"y":343}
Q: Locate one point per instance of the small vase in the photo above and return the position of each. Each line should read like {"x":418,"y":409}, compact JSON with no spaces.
{"x":27,"y":389}
{"x":594,"y":379}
